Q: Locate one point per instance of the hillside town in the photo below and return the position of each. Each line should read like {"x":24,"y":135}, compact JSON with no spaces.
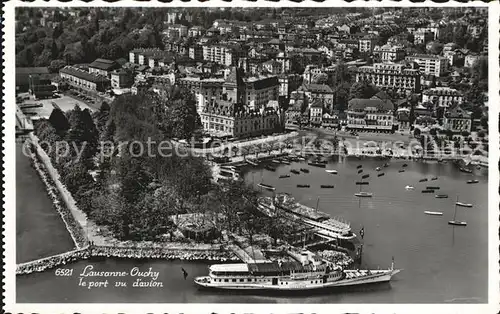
{"x":362,"y":70}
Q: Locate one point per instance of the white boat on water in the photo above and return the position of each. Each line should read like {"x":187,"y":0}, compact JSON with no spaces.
{"x":311,"y":274}
{"x":433,"y":213}
{"x":332,"y":171}
{"x":463,"y":204}
{"x":458,"y":222}
{"x":266,"y":186}
{"x":324,"y":225}
{"x":363,"y":194}
{"x":409,"y":187}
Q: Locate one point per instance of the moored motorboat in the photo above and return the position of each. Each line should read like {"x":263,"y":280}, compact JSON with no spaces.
{"x":276,"y":161}
{"x":405,"y":165}
{"x":284,"y":161}
{"x":304,"y":170}
{"x":303,"y":185}
{"x":332,"y":171}
{"x":472,"y":181}
{"x":409,"y":187}
{"x":365,"y":176}
{"x":378,"y":169}
{"x":441,"y":195}
{"x":295,"y":171}
{"x":360,"y":171}
{"x":266,"y":186}
{"x":433,"y":213}
{"x":284,"y":176}
{"x":457,"y":223}
{"x":423,"y":180}
{"x":434,"y":178}
{"x":324,"y":186}
{"x":252,"y":163}
{"x":427,"y":191}
{"x":433,"y":188}
{"x":466,"y":170}
{"x":402,"y":170}
{"x":463,"y":204}
{"x":359,"y":166}
{"x":362,"y":183}
{"x":364,"y":194}
{"x":380,"y":174}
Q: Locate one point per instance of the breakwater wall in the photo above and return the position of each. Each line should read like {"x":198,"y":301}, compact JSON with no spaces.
{"x":63,"y":201}
{"x":181,"y":253}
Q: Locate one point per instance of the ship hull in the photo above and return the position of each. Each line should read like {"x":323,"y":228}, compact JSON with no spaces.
{"x":303,"y":285}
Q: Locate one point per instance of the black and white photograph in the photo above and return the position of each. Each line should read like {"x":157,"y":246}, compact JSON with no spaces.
{"x":251,"y":153}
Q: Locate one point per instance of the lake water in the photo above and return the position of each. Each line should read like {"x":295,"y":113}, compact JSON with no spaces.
{"x":440,"y":263}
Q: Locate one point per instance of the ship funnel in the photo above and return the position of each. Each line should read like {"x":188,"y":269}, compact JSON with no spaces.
{"x":304,"y":258}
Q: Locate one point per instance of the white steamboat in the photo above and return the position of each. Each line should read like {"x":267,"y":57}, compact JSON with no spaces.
{"x":310,"y":274}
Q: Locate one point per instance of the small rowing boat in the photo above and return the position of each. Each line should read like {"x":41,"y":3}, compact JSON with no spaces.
{"x":359,"y":166}
{"x":303,"y":185}
{"x":332,"y":171}
{"x":423,"y":180}
{"x":365,"y":176}
{"x":295,"y":171}
{"x":324,"y":186}
{"x":380,"y":174}
{"x":427,"y":191}
{"x":402,"y":170}
{"x":472,"y":181}
{"x":463,"y":204}
{"x":434,"y":178}
{"x":433,"y":188}
{"x":457,"y":223}
{"x":466,"y":170}
{"x":360,"y":171}
{"x":386,"y":165}
{"x":364,"y":194}
{"x":378,"y":169}
{"x":405,"y":165}
{"x":362,"y":183}
{"x":276,"y":161}
{"x":304,"y":170}
{"x":433,"y":213}
{"x":285,"y":162}
{"x":252,"y":163}
{"x":441,"y":195}
{"x":266,"y":186}
{"x":284,"y":176}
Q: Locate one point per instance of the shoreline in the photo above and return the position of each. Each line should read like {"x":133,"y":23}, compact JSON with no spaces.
{"x":54,"y":261}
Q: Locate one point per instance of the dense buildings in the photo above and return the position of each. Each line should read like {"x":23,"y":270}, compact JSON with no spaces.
{"x":103,"y":67}
{"x":391,"y":75}
{"x":457,"y":120}
{"x":442,"y":96}
{"x":85,"y":80}
{"x":373,"y":115}
{"x":430,"y":64}
{"x":389,"y":53}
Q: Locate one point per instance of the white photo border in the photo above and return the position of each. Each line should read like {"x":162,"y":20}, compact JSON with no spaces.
{"x":9,"y":177}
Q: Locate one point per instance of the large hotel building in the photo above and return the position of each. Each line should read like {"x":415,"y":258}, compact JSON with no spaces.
{"x":391,"y":75}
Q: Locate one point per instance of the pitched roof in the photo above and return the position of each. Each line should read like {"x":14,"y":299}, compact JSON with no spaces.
{"x":104,"y":64}
{"x":82,"y":74}
{"x":358,"y":103}
{"x":317,"y":103}
{"x":318,"y":88}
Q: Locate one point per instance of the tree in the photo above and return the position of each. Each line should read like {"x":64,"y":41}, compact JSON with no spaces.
{"x":56,"y":65}
{"x":436,"y":48}
{"x":361,"y":90}
{"x":59,"y":121}
{"x":183,"y":118}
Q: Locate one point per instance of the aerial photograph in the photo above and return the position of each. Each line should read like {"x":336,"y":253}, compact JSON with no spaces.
{"x":251,"y":155}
